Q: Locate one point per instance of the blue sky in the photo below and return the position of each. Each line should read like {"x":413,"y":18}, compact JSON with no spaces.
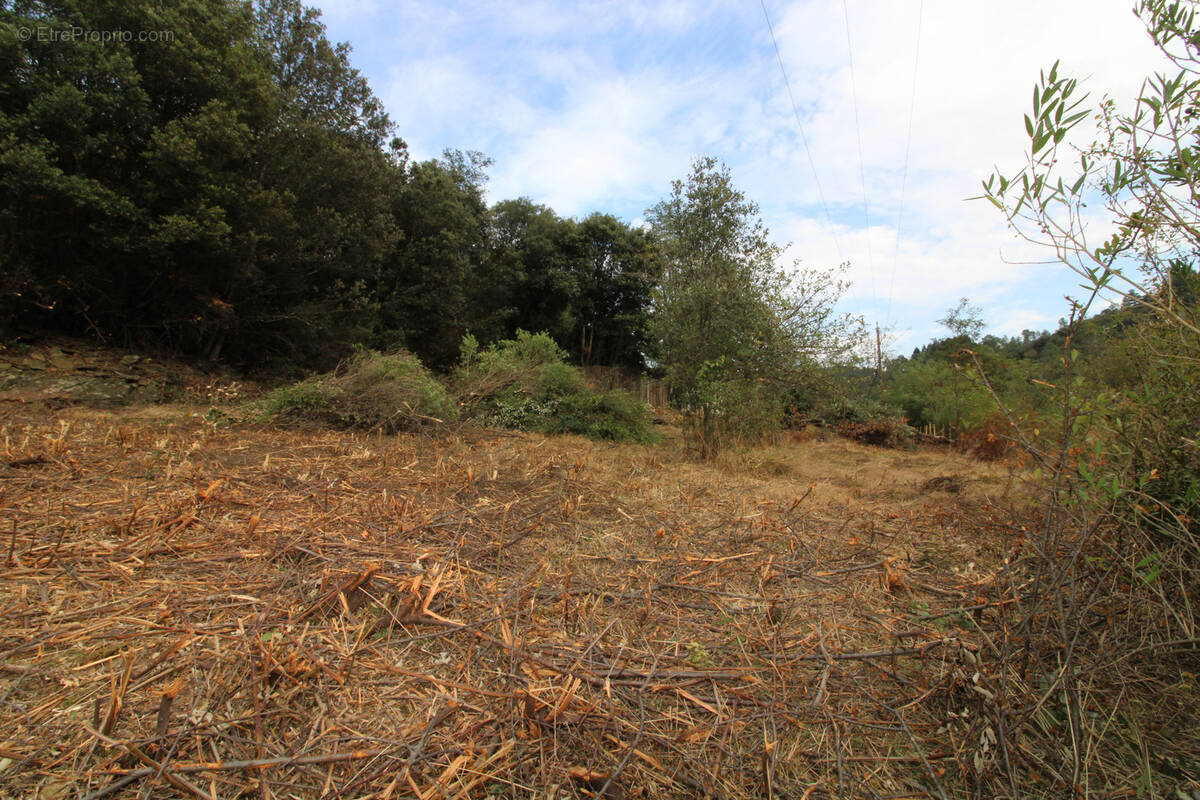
{"x":598,"y":105}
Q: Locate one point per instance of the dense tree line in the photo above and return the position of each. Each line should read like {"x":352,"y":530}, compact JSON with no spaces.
{"x":230,"y":187}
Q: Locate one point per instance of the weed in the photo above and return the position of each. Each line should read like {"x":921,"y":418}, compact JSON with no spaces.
{"x":698,"y":655}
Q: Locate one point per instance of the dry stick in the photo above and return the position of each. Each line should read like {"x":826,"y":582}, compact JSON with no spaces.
{"x":254,"y":763}
{"x":114,"y":786}
{"x":414,"y":755}
{"x":721,"y":748}
{"x":345,"y":588}
{"x":908,"y":732}
{"x":837,"y":750}
{"x":837,"y":734}
{"x":637,"y":738}
{"x":12,"y":544}
{"x":825,"y":672}
{"x":156,"y":768}
{"x":867,"y":656}
{"x":258,"y":689}
{"x":167,"y":653}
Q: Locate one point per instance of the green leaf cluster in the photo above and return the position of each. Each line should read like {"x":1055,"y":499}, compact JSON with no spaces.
{"x":234,"y":190}
{"x":733,"y":329}
{"x":525,"y":384}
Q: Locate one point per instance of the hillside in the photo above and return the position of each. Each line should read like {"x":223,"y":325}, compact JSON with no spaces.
{"x":238,"y":610}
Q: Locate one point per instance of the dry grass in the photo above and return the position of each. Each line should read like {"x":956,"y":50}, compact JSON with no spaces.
{"x":194,"y":609}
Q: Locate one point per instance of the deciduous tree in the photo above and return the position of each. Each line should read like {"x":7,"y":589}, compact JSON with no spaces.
{"x":732,"y":326}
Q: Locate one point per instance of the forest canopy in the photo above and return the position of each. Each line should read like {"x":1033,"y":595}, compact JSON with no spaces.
{"x":231,"y":188}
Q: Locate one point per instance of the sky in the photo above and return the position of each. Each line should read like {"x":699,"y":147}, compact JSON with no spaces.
{"x":904,"y":107}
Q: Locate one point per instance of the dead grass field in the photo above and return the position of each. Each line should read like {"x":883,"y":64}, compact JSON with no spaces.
{"x":194,"y":608}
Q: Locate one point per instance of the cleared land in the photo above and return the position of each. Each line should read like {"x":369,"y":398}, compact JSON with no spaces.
{"x":222,"y":610}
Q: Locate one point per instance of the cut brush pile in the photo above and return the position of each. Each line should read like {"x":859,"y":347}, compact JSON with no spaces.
{"x":195,"y":610}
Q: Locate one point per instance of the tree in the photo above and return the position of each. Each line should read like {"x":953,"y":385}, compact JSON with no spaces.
{"x":964,"y":320}
{"x":537,"y":250}
{"x":732,"y":328}
{"x":1143,"y":169}
{"x":435,"y":286}
{"x":222,"y":191}
{"x":617,"y":275}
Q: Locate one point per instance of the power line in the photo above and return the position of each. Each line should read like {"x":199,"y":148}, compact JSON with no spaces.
{"x":862,"y":170}
{"x":912,"y":105}
{"x":800,"y":124}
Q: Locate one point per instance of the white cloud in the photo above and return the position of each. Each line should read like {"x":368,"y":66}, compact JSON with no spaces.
{"x":598,"y":105}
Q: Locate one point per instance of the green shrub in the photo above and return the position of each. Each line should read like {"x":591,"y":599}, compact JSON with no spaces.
{"x":615,"y":415}
{"x":526,"y":384}
{"x":376,"y":391}
{"x":856,"y":409}
{"x":726,"y":407}
{"x":312,"y":396}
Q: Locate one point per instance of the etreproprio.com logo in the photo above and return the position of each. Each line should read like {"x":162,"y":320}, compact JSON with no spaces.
{"x":76,"y":33}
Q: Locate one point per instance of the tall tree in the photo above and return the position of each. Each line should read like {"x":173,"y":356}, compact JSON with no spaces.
{"x":732,"y":326}
{"x":539,"y":251}
{"x":221,"y":187}
{"x":617,"y":275}
{"x":965,"y":320}
{"x":428,"y":283}
{"x":1122,"y":473}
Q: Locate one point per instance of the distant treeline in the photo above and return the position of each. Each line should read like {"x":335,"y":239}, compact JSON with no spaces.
{"x":235,"y":190}
{"x":953,"y":383}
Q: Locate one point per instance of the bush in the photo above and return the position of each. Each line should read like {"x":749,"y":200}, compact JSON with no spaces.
{"x":933,"y":392}
{"x":882,"y":431}
{"x":615,"y":415}
{"x":376,"y":391}
{"x":312,"y":396}
{"x":525,"y":384}
{"x":726,"y":408}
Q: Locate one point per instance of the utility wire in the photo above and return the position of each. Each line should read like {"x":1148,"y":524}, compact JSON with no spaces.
{"x":912,"y":105}
{"x":800,"y":124}
{"x":862,"y":170}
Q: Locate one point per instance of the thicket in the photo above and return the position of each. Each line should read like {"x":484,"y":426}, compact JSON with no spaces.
{"x":525,"y":384}
{"x":373,"y":391}
{"x":1095,"y":661}
{"x":736,"y":333}
{"x":233,"y":190}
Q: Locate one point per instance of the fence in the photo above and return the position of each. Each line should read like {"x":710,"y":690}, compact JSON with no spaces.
{"x":653,"y":392}
{"x":939,"y":432}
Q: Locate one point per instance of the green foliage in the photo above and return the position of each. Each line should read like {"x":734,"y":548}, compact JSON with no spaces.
{"x":1144,"y":172}
{"x":732,"y":329}
{"x":312,"y":397}
{"x":586,"y":283}
{"x":964,"y":320}
{"x":374,"y":391}
{"x":939,"y":392}
{"x":433,"y":286}
{"x":1150,"y":432}
{"x":1121,"y":467}
{"x":732,"y":409}
{"x":616,"y":416}
{"x":164,"y":190}
{"x":525,"y":384}
{"x":232,"y":191}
